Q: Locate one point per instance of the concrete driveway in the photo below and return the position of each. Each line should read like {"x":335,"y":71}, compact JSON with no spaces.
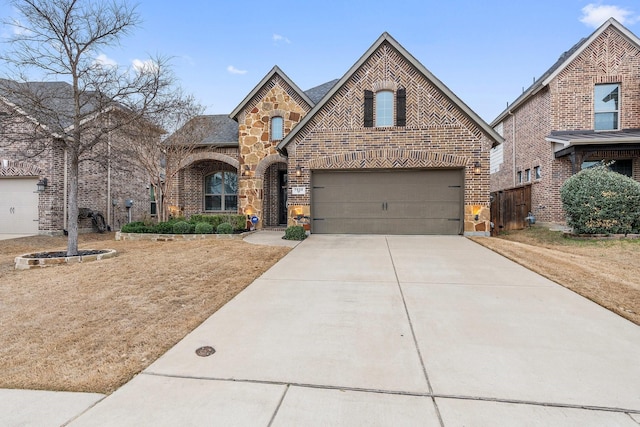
{"x":393,"y":331}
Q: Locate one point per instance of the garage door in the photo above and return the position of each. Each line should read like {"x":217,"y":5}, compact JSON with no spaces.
{"x":388,"y":202}
{"x":18,"y":206}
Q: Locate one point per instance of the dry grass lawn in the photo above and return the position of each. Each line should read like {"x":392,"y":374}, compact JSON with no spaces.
{"x":91,"y":327}
{"x":605,"y":271}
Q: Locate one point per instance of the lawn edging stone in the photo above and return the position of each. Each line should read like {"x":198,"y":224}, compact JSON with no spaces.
{"x":28,"y":261}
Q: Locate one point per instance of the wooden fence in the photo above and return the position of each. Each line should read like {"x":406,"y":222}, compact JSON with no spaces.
{"x":509,"y":208}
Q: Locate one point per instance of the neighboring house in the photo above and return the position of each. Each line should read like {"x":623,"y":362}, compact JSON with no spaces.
{"x":388,"y":148}
{"x":34,"y":182}
{"x":583,"y":110}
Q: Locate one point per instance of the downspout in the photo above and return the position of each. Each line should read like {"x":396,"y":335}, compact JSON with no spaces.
{"x":65,"y":220}
{"x":513,"y":144}
{"x":109,"y":179}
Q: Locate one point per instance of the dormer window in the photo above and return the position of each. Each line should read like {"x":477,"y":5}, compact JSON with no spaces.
{"x":606,"y":107}
{"x":277,"y":128}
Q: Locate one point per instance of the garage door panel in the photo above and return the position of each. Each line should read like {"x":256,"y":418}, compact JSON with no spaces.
{"x":18,"y":206}
{"x":388,"y":202}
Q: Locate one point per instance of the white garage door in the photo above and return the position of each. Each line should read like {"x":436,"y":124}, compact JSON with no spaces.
{"x":18,"y":206}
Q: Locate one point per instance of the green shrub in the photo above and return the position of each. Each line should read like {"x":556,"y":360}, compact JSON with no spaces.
{"x":599,"y":201}
{"x":135,"y":227}
{"x":164,"y":227}
{"x":183,"y":227}
{"x":204,"y":228}
{"x":295,"y":232}
{"x":224,"y":228}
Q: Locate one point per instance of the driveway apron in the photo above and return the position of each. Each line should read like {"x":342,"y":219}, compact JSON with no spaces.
{"x":393,"y":330}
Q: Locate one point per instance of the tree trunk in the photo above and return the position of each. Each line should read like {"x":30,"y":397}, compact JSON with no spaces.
{"x":72,"y":218}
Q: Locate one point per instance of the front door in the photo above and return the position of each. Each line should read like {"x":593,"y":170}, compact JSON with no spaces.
{"x":282,"y":197}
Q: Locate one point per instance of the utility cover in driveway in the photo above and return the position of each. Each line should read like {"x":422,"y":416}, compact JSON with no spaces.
{"x":388,"y":201}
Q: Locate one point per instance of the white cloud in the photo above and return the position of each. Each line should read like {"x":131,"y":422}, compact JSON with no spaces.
{"x":144,"y":66}
{"x":278,"y":38}
{"x":234,"y":70}
{"x":595,"y":15}
{"x":104,"y":61}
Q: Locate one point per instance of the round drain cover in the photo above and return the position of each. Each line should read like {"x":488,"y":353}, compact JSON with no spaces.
{"x":205,"y":351}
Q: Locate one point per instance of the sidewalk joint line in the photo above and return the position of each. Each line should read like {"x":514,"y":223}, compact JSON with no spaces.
{"x":413,"y":333}
{"x":275,"y":413}
{"x":403,"y":393}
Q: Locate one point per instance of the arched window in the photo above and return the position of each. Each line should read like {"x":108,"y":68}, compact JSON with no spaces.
{"x":221,"y":191}
{"x":384,"y":108}
{"x":277,"y":128}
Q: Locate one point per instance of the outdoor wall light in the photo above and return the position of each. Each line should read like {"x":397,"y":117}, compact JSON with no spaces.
{"x":246,"y":170}
{"x":42,"y":185}
{"x":298,"y":171}
{"x":477,"y":168}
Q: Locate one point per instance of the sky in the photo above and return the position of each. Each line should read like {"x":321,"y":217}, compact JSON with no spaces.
{"x":486,"y":52}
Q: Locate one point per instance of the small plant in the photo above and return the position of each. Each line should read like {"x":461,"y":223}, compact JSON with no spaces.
{"x":204,"y":228}
{"x":295,"y":232}
{"x":182,"y":227}
{"x":224,"y":228}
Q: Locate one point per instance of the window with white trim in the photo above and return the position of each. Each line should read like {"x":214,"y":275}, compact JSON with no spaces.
{"x":277,"y":128}
{"x":384,"y":108}
{"x":606,"y":107}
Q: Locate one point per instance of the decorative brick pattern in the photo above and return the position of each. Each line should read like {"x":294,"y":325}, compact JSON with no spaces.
{"x":567,"y":104}
{"x":437,"y":134}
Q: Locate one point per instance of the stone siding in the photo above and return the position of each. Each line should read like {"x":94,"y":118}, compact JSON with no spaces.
{"x":257,"y":149}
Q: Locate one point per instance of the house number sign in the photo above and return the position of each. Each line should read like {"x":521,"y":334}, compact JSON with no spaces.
{"x":301,"y":191}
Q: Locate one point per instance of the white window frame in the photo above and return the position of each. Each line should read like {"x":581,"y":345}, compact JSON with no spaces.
{"x":384,"y":108}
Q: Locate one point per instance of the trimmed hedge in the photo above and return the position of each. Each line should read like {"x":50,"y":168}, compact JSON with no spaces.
{"x":204,"y":228}
{"x":183,"y":227}
{"x":295,"y":232}
{"x":600,"y":201}
{"x":224,"y":228}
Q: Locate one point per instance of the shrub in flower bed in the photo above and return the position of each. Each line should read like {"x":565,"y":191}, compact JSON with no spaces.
{"x":198,"y":224}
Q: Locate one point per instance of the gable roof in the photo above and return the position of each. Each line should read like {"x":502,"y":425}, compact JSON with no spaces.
{"x":216,"y":130}
{"x":49,"y":104}
{"x":275,"y":70}
{"x":563,"y":61}
{"x":386,"y":38}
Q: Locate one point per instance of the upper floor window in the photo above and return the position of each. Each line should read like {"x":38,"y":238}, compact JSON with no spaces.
{"x":221,"y":191}
{"x":519,"y":177}
{"x":606,"y":106}
{"x":388,"y":105}
{"x":277,"y":128}
{"x":527,"y":175}
{"x":384,"y":108}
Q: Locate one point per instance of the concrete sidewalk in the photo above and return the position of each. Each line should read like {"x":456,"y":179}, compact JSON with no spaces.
{"x":393,"y":331}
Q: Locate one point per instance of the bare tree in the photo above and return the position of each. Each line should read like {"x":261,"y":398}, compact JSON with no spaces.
{"x":163,"y":159}
{"x":61,"y":40}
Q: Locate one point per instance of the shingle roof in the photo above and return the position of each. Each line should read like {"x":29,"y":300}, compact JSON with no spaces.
{"x":315,"y":94}
{"x":219,"y":130}
{"x":50,"y":103}
{"x":590,"y":136}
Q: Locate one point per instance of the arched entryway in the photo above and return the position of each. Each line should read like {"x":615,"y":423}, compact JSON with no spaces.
{"x":275,"y":195}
